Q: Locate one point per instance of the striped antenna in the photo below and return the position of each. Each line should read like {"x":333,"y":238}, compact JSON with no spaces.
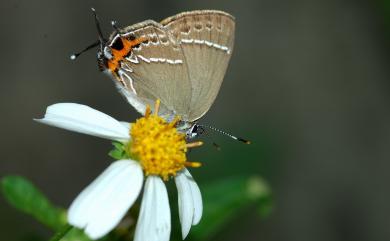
{"x":226,"y":134}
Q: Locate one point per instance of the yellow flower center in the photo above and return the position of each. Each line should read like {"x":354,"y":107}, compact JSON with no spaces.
{"x":158,"y":145}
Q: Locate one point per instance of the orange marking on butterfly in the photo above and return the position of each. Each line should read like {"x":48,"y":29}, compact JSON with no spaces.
{"x":118,"y":55}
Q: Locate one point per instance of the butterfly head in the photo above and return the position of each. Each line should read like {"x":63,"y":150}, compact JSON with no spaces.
{"x":190,"y":129}
{"x":194,"y":131}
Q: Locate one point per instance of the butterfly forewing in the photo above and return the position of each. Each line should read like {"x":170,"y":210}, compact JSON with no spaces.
{"x":206,"y":39}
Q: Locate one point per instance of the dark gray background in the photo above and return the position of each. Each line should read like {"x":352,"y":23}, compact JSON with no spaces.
{"x":308,"y":83}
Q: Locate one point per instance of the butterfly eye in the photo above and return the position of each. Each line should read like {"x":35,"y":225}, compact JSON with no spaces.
{"x":194,"y":131}
{"x":118,"y":44}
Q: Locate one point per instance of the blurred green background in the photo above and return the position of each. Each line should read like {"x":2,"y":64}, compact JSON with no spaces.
{"x":308,"y":84}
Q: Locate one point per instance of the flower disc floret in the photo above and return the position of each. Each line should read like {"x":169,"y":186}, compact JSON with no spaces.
{"x":158,"y":145}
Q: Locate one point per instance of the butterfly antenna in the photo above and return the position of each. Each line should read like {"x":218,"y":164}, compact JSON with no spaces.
{"x":226,"y":134}
{"x":101,"y":38}
{"x":75,"y":55}
{"x":100,"y":41}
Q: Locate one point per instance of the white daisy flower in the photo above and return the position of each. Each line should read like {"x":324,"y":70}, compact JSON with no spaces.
{"x":158,"y":152}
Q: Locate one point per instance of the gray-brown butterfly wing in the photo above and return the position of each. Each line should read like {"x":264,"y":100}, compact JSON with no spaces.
{"x":155,"y":69}
{"x":206,"y":38}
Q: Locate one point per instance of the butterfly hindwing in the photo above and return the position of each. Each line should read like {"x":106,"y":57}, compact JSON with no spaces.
{"x":206,"y":38}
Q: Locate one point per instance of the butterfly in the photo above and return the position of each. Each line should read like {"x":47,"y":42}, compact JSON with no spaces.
{"x":181,"y":61}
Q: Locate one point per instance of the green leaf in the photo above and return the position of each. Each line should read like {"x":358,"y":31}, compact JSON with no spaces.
{"x":23,"y":195}
{"x":265,"y":206}
{"x":62,"y":233}
{"x":118,"y":152}
{"x":224,"y":200}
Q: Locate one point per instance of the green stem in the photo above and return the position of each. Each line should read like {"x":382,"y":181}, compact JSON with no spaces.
{"x":60,"y":234}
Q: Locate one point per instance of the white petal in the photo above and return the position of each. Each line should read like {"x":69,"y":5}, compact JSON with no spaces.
{"x":84,"y":119}
{"x":186,"y":203}
{"x":127,"y":125}
{"x":190,"y":201}
{"x":197,"y":197}
{"x":154,"y":222}
{"x":101,"y":205}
